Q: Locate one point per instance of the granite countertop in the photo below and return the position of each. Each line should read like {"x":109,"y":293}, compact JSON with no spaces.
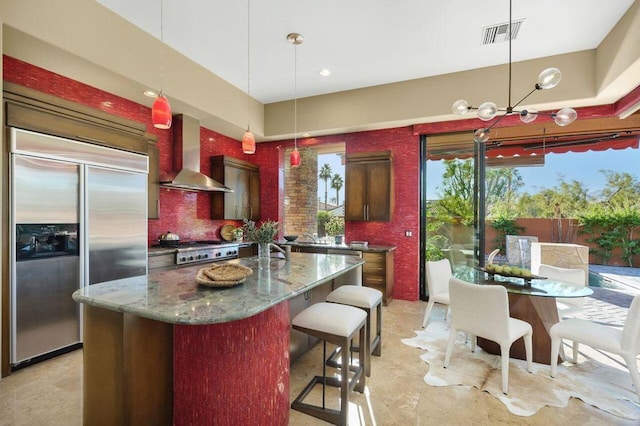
{"x":172,"y":295}
{"x":332,"y":246}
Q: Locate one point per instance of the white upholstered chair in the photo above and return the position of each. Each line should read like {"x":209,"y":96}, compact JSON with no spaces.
{"x":624,"y":342}
{"x":483,"y":310}
{"x":438,"y":273}
{"x":567,"y":306}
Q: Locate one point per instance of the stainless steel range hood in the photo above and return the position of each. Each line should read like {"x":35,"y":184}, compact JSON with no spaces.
{"x":190,"y":178}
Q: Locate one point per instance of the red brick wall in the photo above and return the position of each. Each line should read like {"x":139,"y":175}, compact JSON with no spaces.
{"x":301,"y":185}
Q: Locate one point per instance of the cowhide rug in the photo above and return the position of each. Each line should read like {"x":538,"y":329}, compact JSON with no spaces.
{"x":595,"y":383}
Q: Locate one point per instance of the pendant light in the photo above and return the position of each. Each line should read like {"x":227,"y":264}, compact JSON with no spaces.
{"x":295,"y":39}
{"x":548,"y":79}
{"x":161,"y":110}
{"x":248,"y":139}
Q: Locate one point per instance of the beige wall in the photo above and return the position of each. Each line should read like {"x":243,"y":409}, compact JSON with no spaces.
{"x":85,"y":42}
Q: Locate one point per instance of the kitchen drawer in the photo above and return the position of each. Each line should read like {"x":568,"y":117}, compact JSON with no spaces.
{"x":162,"y":260}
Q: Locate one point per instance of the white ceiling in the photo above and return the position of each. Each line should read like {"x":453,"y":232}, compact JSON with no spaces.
{"x":363,"y":42}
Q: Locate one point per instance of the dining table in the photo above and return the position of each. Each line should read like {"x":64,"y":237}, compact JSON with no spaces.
{"x":532,"y":300}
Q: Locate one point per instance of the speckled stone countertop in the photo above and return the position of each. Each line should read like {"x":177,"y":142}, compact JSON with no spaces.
{"x":172,"y":295}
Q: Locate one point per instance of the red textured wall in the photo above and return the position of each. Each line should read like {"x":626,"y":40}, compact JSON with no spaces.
{"x":217,"y":381}
{"x":405,"y":150}
{"x":187,"y":213}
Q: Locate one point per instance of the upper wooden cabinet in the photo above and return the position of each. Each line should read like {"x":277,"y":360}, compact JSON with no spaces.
{"x":244,"y":178}
{"x":369,"y":187}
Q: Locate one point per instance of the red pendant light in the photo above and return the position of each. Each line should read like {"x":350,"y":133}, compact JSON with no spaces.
{"x":161,"y":113}
{"x":161,"y":110}
{"x":295,"y":39}
{"x":248,"y":139}
{"x":295,"y":158}
{"x":248,"y":142}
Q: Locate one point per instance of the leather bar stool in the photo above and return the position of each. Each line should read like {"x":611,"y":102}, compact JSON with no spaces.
{"x":336,"y":324}
{"x":365,"y":298}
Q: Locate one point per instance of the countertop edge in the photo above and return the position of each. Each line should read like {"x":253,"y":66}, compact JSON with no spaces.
{"x":149,"y":313}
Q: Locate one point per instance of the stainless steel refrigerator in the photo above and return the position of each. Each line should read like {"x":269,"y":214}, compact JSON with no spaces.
{"x":78,"y":217}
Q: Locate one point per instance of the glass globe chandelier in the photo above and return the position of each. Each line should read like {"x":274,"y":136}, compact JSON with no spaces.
{"x":487,"y":111}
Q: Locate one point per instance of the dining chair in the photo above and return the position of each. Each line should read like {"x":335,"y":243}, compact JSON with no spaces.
{"x":438,"y":273}
{"x":624,"y":342}
{"x":483,"y":311}
{"x":567,"y":306}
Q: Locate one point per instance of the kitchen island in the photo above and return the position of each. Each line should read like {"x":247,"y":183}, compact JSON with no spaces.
{"x":160,"y":349}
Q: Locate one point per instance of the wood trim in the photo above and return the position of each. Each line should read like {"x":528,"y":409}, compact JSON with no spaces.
{"x":32,"y":110}
{"x":369,"y":156}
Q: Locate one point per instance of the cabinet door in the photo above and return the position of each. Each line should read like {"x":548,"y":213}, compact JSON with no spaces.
{"x":355,"y":191}
{"x":378,"y":191}
{"x":254,"y":195}
{"x":153,"y":183}
{"x":235,"y":179}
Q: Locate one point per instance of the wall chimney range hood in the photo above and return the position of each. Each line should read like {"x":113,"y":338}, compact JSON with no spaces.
{"x":190,"y":178}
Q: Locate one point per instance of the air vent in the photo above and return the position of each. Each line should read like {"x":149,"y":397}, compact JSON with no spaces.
{"x":499,"y":33}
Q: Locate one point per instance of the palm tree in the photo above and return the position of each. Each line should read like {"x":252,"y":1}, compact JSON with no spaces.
{"x":325,"y":175}
{"x":337,"y":183}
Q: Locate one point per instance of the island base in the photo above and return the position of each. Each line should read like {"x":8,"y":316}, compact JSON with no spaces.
{"x":139,"y":371}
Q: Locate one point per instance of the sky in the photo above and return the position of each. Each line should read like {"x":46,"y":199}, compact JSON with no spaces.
{"x":581,"y":166}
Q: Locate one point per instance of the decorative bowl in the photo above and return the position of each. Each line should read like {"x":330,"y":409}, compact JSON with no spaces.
{"x":290,"y":237}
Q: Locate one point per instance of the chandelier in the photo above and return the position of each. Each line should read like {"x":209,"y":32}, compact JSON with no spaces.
{"x":548,"y":79}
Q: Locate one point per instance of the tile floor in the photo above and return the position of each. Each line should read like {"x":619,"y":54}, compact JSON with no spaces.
{"x":49,"y":393}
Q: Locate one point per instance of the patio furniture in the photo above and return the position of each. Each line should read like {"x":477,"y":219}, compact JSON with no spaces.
{"x":567,"y":306}
{"x":438,"y":273}
{"x":624,"y":342}
{"x":484,"y":311}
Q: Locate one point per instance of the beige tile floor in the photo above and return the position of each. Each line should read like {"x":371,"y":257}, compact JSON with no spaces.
{"x":49,"y":393}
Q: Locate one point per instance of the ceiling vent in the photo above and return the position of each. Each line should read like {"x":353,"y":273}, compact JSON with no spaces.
{"x":499,"y":33}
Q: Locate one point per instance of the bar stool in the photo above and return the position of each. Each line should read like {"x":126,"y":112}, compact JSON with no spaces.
{"x":365,"y":298}
{"x":337,"y":324}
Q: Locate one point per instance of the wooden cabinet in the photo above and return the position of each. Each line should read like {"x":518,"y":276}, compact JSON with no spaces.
{"x":377,"y":272}
{"x":244,"y":178}
{"x":248,"y":250}
{"x":153,"y":183}
{"x":369,"y":187}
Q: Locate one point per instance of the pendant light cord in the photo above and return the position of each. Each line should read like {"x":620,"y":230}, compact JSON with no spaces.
{"x":161,"y":44}
{"x":248,"y":64}
{"x":295,"y":96}
{"x":509,"y":107}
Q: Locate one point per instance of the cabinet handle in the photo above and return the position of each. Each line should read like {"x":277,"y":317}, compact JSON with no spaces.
{"x":364,"y":212}
{"x":158,"y":207}
{"x":251,"y":212}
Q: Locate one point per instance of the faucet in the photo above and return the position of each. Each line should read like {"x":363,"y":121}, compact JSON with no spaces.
{"x":313,"y":237}
{"x":286,"y":251}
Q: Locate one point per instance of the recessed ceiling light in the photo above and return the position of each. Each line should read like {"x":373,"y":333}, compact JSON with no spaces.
{"x":150,"y":93}
{"x":325,"y":72}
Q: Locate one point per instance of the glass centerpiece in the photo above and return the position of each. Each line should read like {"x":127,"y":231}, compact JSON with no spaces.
{"x":263,"y":235}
